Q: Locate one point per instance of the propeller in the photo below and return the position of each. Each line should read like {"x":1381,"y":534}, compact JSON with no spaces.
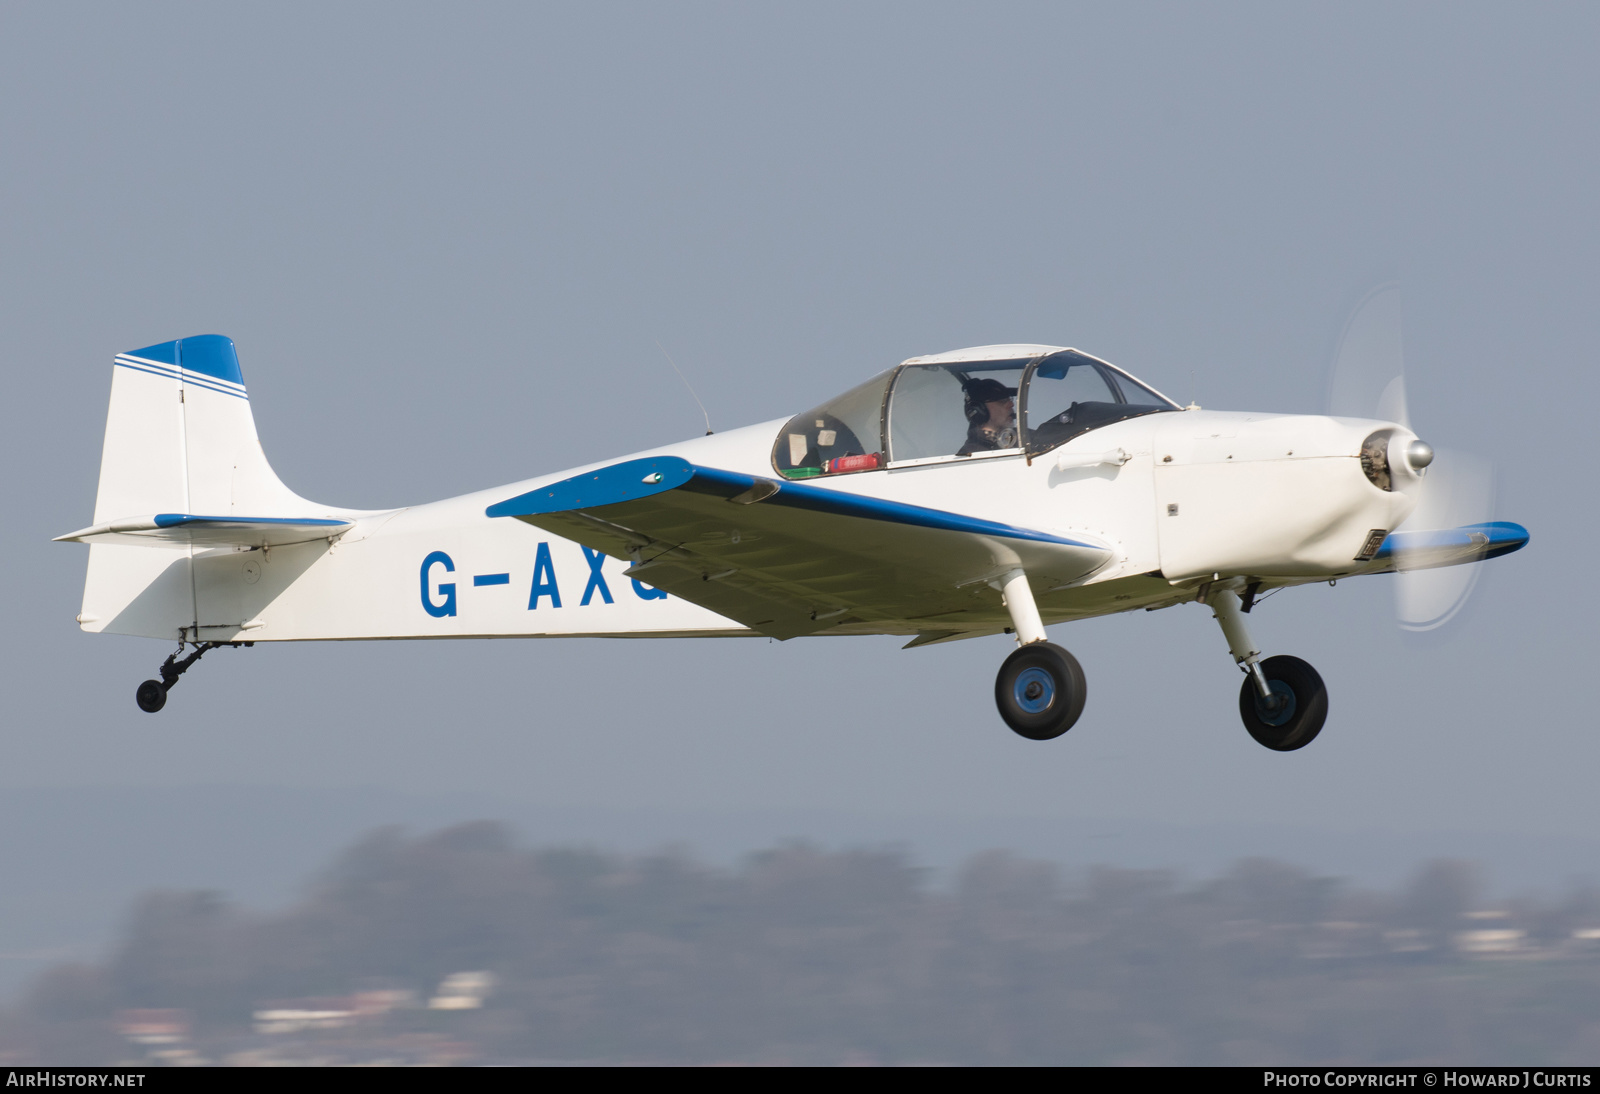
{"x":1456,"y":490}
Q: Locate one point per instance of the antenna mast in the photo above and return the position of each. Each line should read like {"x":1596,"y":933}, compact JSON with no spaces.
{"x":686,"y":383}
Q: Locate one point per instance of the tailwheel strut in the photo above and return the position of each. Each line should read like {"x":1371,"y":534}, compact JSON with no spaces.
{"x":152,"y":694}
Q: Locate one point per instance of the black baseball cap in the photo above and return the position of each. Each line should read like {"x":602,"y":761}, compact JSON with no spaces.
{"x":985,"y":390}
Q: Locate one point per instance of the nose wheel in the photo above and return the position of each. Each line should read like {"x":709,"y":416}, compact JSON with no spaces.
{"x":1040,"y":691}
{"x":1293,"y":716}
{"x":1283,"y":701}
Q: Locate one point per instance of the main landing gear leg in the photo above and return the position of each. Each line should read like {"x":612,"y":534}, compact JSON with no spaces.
{"x":1283,"y":701}
{"x":1040,"y":689}
{"x":152,"y":694}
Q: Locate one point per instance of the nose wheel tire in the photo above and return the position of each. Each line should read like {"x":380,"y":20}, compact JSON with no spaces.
{"x":1040,"y":691}
{"x":151,"y":696}
{"x":1299,"y":707}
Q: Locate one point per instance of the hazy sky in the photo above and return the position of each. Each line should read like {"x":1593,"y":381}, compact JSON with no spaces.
{"x":446,"y":239}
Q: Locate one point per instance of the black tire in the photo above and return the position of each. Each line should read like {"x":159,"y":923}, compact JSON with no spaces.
{"x":1285,"y":730}
{"x":1040,"y":691}
{"x":151,"y":696}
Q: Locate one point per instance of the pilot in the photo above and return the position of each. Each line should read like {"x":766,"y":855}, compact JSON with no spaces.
{"x":991,"y":416}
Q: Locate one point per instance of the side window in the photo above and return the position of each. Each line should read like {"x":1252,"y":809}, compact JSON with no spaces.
{"x":925,"y":416}
{"x":963,"y":409}
{"x":842,"y":434}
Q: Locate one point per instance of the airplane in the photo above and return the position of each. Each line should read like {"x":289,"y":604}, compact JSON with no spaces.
{"x":998,"y":489}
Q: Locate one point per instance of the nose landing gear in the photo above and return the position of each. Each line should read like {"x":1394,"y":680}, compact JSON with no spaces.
{"x":152,"y":694}
{"x":1283,"y":701}
{"x":1297,"y":710}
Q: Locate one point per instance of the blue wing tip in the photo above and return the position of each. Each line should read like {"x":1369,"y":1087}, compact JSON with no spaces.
{"x":1503,"y":537}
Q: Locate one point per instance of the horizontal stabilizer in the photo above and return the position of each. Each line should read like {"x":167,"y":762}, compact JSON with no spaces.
{"x":1429,"y":549}
{"x":164,"y":529}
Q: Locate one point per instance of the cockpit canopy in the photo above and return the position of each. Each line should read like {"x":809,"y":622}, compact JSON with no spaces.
{"x":1000,"y":400}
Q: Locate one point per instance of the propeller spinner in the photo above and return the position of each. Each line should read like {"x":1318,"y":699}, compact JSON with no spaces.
{"x":1453,"y":489}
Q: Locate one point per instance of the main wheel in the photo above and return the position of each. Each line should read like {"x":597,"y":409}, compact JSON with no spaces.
{"x":151,"y":696}
{"x":1040,"y":691}
{"x":1295,"y":720}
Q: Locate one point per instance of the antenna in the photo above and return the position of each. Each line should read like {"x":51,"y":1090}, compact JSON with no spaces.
{"x":686,"y":383}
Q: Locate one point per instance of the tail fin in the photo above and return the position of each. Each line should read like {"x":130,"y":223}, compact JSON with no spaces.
{"x":180,"y":438}
{"x":182,"y":471}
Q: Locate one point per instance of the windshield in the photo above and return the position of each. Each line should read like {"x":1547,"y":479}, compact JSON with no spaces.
{"x":1070,"y":393}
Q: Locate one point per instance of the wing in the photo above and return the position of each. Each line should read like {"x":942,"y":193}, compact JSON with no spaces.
{"x":185,"y":528}
{"x":789,"y":559}
{"x":1427,"y":549}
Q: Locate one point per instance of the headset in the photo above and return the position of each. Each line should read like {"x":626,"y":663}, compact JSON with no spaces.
{"x":976,"y":406}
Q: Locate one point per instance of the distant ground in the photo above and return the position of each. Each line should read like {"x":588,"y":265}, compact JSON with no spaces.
{"x":74,"y":858}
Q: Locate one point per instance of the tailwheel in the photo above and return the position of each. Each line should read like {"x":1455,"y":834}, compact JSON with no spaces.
{"x":1040,"y":691}
{"x":1298,"y":706}
{"x":151,"y":696}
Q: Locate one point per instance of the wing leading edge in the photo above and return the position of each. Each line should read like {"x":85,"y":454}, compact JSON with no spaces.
{"x":788,"y":559}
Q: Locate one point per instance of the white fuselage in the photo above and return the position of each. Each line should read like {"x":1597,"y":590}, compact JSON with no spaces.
{"x":1276,"y":498}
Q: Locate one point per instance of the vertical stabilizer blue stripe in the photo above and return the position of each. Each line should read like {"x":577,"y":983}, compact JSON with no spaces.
{"x":212,"y":355}
{"x":204,"y":354}
{"x":166,"y":353}
{"x":152,"y":371}
{"x":190,"y":381}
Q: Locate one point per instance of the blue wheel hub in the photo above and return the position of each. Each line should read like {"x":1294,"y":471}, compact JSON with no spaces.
{"x":1034,"y":690}
{"x":1279,"y":711}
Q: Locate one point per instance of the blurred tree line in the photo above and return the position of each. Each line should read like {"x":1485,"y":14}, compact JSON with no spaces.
{"x":808,"y":956}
